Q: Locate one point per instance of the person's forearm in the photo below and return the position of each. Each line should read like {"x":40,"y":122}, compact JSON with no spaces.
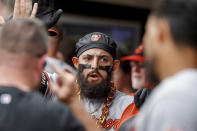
{"x":53,"y":46}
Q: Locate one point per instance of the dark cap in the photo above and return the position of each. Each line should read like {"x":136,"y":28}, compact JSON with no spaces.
{"x":138,"y":56}
{"x":96,"y":40}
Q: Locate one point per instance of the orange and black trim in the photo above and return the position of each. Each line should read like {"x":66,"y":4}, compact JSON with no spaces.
{"x":53,"y":32}
{"x":128,"y":113}
{"x":138,"y":56}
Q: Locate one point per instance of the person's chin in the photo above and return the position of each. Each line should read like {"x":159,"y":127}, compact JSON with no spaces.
{"x":136,"y":79}
{"x":137,"y":84}
{"x":94,"y":81}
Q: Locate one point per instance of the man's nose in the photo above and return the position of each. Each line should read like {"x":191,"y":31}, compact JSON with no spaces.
{"x":95,"y":64}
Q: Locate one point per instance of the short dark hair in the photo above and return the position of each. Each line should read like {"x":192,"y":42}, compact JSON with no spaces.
{"x":181,"y":16}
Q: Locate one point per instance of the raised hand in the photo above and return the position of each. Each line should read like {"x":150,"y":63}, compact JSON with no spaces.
{"x":2,"y":21}
{"x":22,"y":8}
{"x":64,"y":88}
{"x":47,"y":13}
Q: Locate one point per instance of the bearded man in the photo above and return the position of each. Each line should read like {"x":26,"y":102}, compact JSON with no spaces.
{"x":96,"y":60}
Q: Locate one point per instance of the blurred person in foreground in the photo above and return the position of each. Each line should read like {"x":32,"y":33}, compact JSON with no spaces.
{"x":49,"y":17}
{"x":22,"y":61}
{"x":22,"y":58}
{"x":171,"y":53}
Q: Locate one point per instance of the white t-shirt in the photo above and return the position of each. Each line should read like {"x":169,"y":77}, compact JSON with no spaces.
{"x":120,"y":102}
{"x":172,"y":106}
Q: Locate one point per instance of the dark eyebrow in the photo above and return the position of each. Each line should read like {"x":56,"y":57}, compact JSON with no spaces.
{"x":103,"y":56}
{"x":87,"y":55}
{"x":91,"y":55}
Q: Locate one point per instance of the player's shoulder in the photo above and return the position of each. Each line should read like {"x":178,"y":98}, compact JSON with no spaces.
{"x":179,"y":85}
{"x":181,"y":80}
{"x":120,"y":96}
{"x":122,"y":100}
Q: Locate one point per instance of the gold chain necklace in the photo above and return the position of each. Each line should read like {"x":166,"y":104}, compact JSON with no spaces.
{"x":105,"y":111}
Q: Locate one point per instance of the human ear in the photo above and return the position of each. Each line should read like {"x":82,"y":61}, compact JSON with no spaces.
{"x":116,"y":64}
{"x":75,"y":61}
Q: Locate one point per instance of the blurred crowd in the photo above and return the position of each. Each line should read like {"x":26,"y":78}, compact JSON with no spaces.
{"x":52,"y":82}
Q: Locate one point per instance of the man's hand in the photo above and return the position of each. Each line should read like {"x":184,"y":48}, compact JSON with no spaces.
{"x":47,"y":13}
{"x":2,"y":21}
{"x":64,"y":88}
{"x":50,"y":17}
{"x":22,"y":8}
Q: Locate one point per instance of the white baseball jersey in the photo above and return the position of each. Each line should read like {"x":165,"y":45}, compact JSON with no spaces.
{"x":172,"y":106}
{"x":119,"y":104}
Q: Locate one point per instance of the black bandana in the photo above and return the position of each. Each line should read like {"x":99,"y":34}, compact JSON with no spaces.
{"x":96,"y":40}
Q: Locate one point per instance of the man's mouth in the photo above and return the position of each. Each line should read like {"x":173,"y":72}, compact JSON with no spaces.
{"x":137,"y":76}
{"x":94,"y":76}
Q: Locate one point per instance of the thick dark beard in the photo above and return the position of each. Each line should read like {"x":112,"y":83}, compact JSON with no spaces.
{"x":91,"y":91}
